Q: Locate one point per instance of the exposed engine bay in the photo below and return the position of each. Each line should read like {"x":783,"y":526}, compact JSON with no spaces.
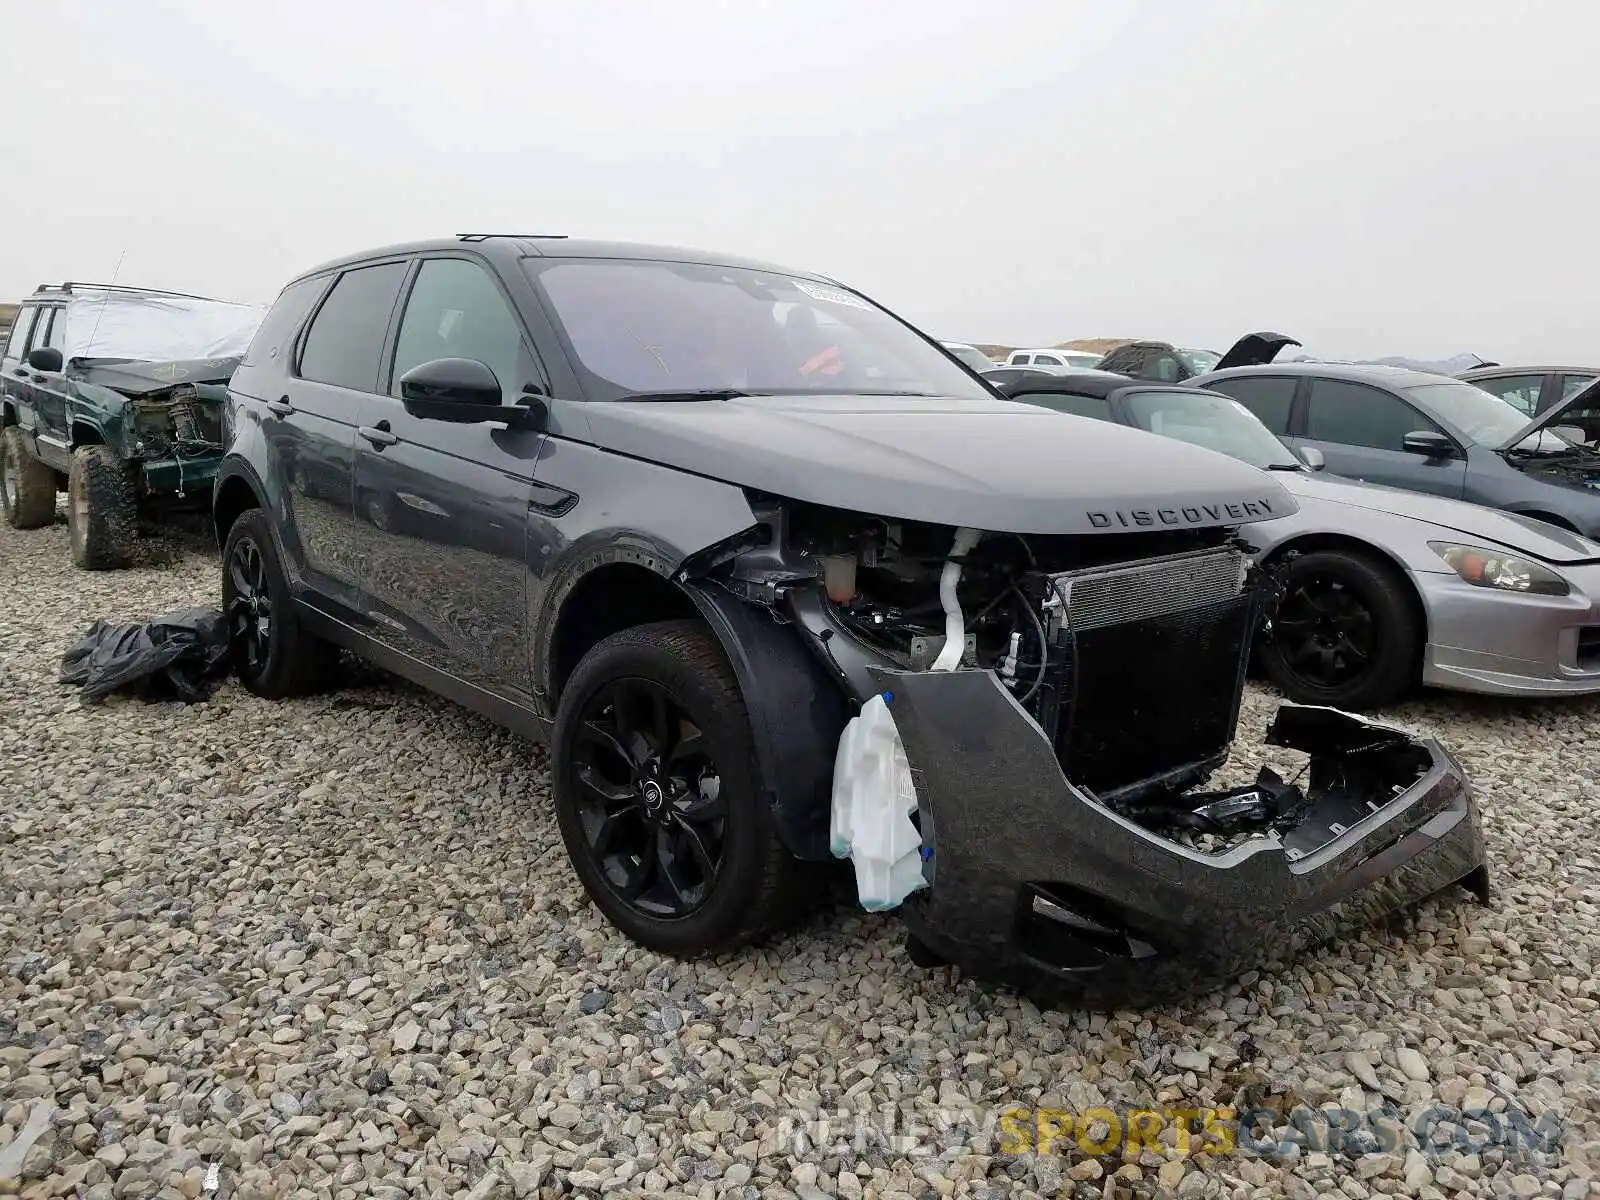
{"x":180,"y":423}
{"x":1126,"y":651}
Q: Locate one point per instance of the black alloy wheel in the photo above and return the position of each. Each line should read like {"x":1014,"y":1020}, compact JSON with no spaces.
{"x":651,"y":805}
{"x":658,"y":795}
{"x":1344,"y":632}
{"x":249,"y":610}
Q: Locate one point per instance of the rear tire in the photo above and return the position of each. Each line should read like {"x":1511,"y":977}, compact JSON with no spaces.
{"x":274,"y":656}
{"x":27,"y":486}
{"x":1345,"y":633}
{"x":102,"y":512}
{"x":675,"y":669}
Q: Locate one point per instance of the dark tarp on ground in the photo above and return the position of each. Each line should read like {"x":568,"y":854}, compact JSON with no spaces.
{"x":180,"y":655}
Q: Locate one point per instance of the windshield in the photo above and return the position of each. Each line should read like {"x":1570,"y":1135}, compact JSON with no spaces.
{"x":1485,"y":418}
{"x":1200,"y":361}
{"x":973,"y":357}
{"x":640,"y":327}
{"x":143,"y":327}
{"x":1212,"y":420}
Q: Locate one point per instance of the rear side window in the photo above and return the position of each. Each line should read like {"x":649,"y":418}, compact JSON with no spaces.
{"x":1047,"y":360}
{"x":1352,"y":414}
{"x":17,"y":342}
{"x":1571,"y":385}
{"x":346,"y":336}
{"x":1520,"y":391}
{"x":283,"y":321}
{"x":1270,"y":399}
{"x":1078,"y":406}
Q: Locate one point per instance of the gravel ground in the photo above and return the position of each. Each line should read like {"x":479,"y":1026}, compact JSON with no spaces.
{"x":333,"y":948}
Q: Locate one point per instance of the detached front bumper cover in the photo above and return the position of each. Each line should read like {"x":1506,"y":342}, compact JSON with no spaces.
{"x":1035,"y":882}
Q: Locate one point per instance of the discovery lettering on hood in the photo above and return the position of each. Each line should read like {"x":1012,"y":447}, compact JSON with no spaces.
{"x":1200,"y":514}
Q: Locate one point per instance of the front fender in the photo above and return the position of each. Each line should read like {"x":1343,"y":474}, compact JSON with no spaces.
{"x":796,"y":715}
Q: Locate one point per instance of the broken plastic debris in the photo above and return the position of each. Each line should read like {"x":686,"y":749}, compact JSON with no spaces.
{"x":873,"y":803}
{"x":179,"y":655}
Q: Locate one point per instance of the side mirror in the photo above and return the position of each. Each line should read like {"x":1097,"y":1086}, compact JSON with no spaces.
{"x":465,"y":391}
{"x":45,"y":358}
{"x":1313,"y":458}
{"x":1429,"y":443}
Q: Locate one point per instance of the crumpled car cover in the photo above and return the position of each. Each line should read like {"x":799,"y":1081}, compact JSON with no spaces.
{"x":180,"y":655}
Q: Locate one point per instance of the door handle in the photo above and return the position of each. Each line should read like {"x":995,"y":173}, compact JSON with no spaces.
{"x":280,"y":407}
{"x":378,"y":434}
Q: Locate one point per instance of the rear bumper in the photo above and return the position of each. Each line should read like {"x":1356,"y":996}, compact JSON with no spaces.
{"x":1034,"y":881}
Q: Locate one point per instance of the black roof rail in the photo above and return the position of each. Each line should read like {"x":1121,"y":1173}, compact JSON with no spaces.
{"x":483,"y":237}
{"x":67,"y":289}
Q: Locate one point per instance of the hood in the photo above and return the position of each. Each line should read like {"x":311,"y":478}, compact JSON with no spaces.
{"x":1255,"y":350}
{"x":1553,"y":414}
{"x":991,"y":464}
{"x":1539,"y":539}
{"x":134,"y":378}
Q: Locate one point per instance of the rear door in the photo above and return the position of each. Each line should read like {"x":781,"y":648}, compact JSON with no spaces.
{"x":442,"y":507}
{"x":16,"y":382}
{"x":311,"y":429}
{"x":51,"y":400}
{"x":1361,"y":432}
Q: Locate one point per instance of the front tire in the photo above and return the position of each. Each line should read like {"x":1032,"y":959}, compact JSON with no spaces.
{"x":1345,"y":633}
{"x":656,"y":796}
{"x":27,"y":486}
{"x":274,"y":656}
{"x":102,"y":512}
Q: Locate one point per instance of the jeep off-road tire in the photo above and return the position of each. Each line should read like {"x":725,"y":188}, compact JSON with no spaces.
{"x":281,"y":658}
{"x":27,"y":486}
{"x":757,"y":885}
{"x":102,"y":512}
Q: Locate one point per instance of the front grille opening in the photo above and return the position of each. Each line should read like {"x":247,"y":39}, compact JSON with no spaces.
{"x":1589,"y":646}
{"x":1154,"y":695}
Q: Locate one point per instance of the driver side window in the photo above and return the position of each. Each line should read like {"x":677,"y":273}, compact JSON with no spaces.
{"x":456,"y":311}
{"x":1352,"y":414}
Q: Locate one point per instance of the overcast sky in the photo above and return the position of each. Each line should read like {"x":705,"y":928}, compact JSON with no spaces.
{"x":1411,"y":177}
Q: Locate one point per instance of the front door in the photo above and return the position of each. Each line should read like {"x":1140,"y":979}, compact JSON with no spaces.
{"x":442,"y":507}
{"x":1361,"y":431}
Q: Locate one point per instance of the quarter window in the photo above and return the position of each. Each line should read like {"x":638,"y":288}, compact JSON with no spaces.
{"x":1519,"y":391}
{"x":346,"y":336}
{"x":1270,"y":399}
{"x":456,"y":311}
{"x":283,"y":320}
{"x":1352,"y":414}
{"x":17,"y":342}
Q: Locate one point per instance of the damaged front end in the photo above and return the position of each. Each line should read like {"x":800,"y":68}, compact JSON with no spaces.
{"x":165,"y":419}
{"x":1038,"y":716}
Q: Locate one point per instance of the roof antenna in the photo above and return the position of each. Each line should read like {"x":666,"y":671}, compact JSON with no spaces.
{"x":105,"y":298}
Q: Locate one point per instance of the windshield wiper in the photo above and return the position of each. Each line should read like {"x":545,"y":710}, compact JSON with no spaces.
{"x":696,"y":394}
{"x":1284,"y":467}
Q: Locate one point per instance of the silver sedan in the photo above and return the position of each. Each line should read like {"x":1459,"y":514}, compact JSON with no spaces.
{"x":1383,"y":589}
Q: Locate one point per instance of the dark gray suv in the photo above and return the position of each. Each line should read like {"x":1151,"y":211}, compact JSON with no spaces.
{"x":781,"y":582}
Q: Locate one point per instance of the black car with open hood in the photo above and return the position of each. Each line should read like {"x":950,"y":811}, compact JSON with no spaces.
{"x":781,"y":583}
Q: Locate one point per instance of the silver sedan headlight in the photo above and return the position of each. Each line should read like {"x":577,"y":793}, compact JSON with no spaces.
{"x":1501,"y":571}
